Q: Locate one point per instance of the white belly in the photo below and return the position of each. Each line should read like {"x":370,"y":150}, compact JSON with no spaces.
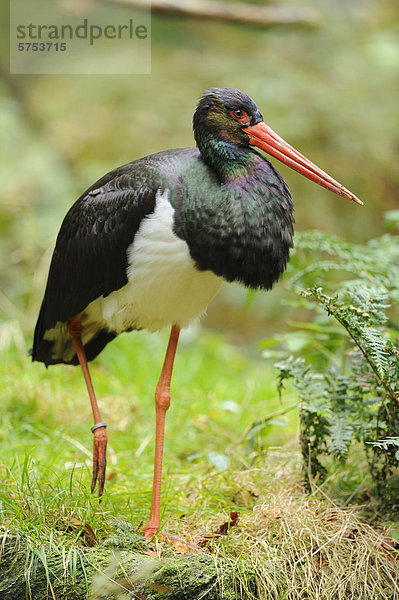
{"x":164,"y":287}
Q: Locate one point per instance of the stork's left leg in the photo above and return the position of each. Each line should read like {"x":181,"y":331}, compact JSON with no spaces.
{"x":162,"y":403}
{"x":98,"y":429}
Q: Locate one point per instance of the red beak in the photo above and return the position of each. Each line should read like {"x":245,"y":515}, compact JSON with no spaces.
{"x":262,"y":136}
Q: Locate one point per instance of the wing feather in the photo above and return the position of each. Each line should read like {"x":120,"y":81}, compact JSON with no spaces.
{"x":89,"y":258}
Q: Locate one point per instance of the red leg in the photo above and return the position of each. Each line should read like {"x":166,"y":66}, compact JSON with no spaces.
{"x":162,"y":402}
{"x":100,"y":434}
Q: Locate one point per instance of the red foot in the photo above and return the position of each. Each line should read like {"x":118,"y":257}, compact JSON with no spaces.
{"x":150,"y":530}
{"x":99,"y":459}
{"x":178,"y":543}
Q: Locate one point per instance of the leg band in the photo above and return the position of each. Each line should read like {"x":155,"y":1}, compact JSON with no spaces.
{"x":97,"y":426}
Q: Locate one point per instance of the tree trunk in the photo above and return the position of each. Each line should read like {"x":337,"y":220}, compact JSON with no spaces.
{"x":235,"y":12}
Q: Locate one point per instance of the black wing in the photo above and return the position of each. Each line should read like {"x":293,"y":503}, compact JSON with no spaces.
{"x":90,"y":257}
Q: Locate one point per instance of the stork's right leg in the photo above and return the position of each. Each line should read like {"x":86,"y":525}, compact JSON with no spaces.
{"x":98,"y":429}
{"x":162,"y":402}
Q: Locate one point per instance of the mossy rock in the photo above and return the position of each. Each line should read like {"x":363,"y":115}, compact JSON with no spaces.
{"x":108,"y":572}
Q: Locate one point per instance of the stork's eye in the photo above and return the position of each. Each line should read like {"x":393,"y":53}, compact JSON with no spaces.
{"x":240,"y":116}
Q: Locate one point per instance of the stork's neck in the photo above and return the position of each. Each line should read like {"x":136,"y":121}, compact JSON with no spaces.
{"x":227,"y":159}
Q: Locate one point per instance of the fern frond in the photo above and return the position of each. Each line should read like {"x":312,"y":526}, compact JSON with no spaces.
{"x":375,"y":345}
{"x":341,"y":433}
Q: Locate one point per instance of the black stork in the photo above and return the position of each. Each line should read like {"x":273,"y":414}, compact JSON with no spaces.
{"x":150,"y":243}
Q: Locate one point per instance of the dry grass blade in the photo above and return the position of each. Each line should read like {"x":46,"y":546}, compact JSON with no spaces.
{"x":301,"y":547}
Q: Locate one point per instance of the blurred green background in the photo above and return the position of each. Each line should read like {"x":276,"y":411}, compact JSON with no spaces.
{"x":331,"y":90}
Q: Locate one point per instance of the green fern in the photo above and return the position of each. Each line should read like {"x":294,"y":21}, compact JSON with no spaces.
{"x":353,"y":395}
{"x":387,"y":444}
{"x":341,"y":433}
{"x":317,"y":253}
{"x":356,"y":320}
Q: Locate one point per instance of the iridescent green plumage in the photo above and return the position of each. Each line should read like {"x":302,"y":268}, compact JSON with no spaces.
{"x":237,"y":214}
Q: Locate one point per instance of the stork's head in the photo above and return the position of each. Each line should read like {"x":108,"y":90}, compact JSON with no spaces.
{"x":230,"y":117}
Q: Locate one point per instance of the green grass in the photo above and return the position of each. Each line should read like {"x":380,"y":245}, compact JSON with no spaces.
{"x":217,"y":392}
